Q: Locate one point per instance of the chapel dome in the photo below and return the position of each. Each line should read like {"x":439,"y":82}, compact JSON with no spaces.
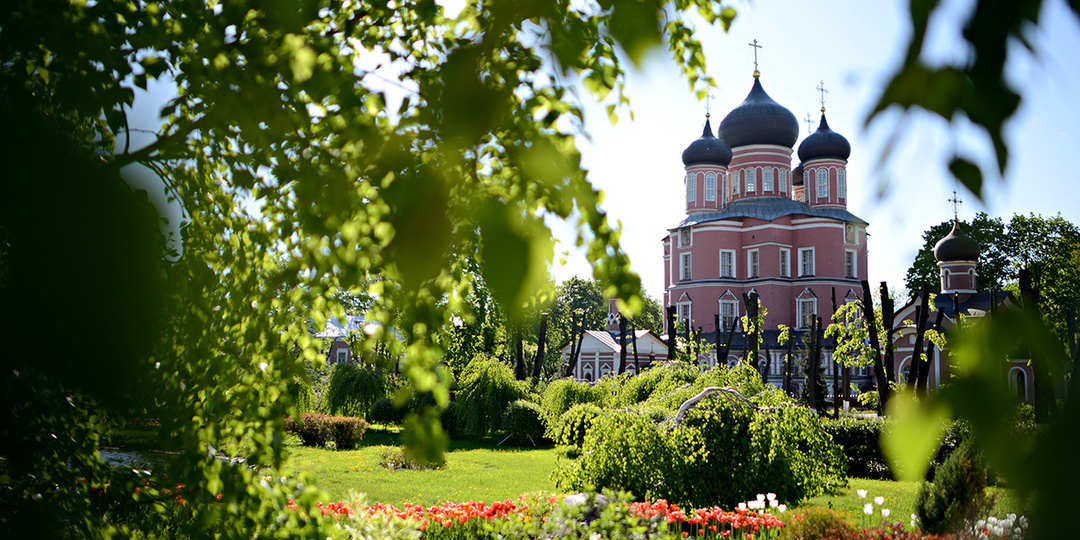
{"x":707,"y":150}
{"x":759,"y":120}
{"x":824,"y":143}
{"x":956,"y":246}
{"x":797,"y":175}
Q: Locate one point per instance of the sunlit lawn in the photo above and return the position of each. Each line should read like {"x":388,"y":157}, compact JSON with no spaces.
{"x":474,"y":470}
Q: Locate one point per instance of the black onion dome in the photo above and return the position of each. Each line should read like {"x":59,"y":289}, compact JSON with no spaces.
{"x":824,"y":143}
{"x":759,"y":120}
{"x":797,"y":176}
{"x":957,"y":246}
{"x":707,"y":149}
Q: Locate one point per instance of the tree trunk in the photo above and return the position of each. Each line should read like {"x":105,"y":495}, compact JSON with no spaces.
{"x":671,"y":333}
{"x":812,"y":367}
{"x":879,"y":368}
{"x":922,"y":314}
{"x":622,"y":344}
{"x":575,"y":344}
{"x":788,"y":366}
{"x":835,"y":366}
{"x":633,"y":337}
{"x":1045,"y":404}
{"x":541,"y":342}
{"x":768,"y":364}
{"x":888,"y":322}
{"x":519,"y":353}
{"x":922,"y":387}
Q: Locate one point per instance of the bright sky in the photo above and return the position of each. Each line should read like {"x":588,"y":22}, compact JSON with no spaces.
{"x":852,"y":46}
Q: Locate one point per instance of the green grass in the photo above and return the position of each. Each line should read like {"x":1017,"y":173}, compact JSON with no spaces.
{"x":899,"y":498}
{"x":474,"y":470}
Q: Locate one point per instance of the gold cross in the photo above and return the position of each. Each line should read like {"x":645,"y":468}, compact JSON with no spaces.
{"x":821,"y":88}
{"x":956,"y":202}
{"x":756,"y":47}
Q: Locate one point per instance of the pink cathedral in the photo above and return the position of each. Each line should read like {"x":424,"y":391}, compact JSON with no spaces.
{"x":756,"y":223}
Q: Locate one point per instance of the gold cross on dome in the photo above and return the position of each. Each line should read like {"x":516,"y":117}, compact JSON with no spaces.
{"x":821,"y":88}
{"x":956,"y":202}
{"x":755,"y":45}
{"x":708,"y":103}
{"x":809,"y":123}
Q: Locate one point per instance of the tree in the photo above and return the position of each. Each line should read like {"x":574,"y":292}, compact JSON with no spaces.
{"x":277,"y":143}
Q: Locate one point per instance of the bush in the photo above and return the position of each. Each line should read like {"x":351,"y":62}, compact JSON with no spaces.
{"x":521,"y":421}
{"x":396,"y":458}
{"x":725,"y":452}
{"x":859,"y":440}
{"x":312,"y":428}
{"x":346,"y":431}
{"x":958,"y":493}
{"x":487,"y":387}
{"x":562,"y":394}
{"x":818,"y":522}
{"x":385,"y":412}
{"x":303,"y":395}
{"x":575,"y":423}
{"x":656,"y":383}
{"x":353,"y":389}
{"x":451,"y":421}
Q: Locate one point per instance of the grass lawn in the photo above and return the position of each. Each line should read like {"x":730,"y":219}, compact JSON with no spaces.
{"x":474,"y":470}
{"x":899,"y":498}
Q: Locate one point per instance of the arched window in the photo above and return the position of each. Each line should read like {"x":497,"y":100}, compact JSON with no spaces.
{"x":751,"y":181}
{"x":1018,"y":383}
{"x":841,"y":184}
{"x":947,"y":278}
{"x":737,"y":179}
{"x":710,"y":186}
{"x":767,"y":180}
{"x":691,"y":188}
{"x":783,"y":181}
{"x":823,"y":184}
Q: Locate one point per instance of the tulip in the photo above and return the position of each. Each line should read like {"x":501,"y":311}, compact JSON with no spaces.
{"x":879,"y":500}
{"x":861,"y":493}
{"x":868,"y":509}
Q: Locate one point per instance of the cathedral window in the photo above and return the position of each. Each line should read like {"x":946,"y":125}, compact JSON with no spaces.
{"x":686,"y":237}
{"x":783,"y":182}
{"x":751,"y":181}
{"x":785,"y":262}
{"x":684,"y":314}
{"x":685,"y":270}
{"x":849,"y":263}
{"x":728,"y":313}
{"x":806,"y":262}
{"x":710,"y":186}
{"x":807,"y":312}
{"x":342,"y":356}
{"x":735,"y":183}
{"x":823,"y":184}
{"x":727,"y":263}
{"x":767,"y":180}
{"x":946,"y":276}
{"x":691,"y":188}
{"x":841,"y":184}
{"x":752,"y":265}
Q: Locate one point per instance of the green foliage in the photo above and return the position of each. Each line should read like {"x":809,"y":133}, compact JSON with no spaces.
{"x":521,"y":421}
{"x":858,"y":439}
{"x":353,"y":389}
{"x":575,"y":423}
{"x":849,"y":328}
{"x":656,"y":385}
{"x":486,"y":389}
{"x":995,"y":268}
{"x":725,"y":452}
{"x":958,"y":493}
{"x":396,"y":458}
{"x":303,"y":395}
{"x":346,"y":431}
{"x":561,"y":395}
{"x":383,"y":411}
{"x":817,"y":522}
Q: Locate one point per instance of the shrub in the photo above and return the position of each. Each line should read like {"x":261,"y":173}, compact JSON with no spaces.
{"x":654,"y":384}
{"x":312,"y":428}
{"x":303,"y":395}
{"x":451,"y":420}
{"x":353,"y":389}
{"x":575,"y":423}
{"x":725,"y":452}
{"x":818,"y":522}
{"x":385,"y":412}
{"x":396,"y":458}
{"x":562,"y":394}
{"x":487,"y":387}
{"x":859,"y":440}
{"x":958,"y":493}
{"x":346,"y":431}
{"x":521,"y":421}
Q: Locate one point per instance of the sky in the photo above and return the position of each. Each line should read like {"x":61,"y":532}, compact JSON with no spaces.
{"x":853,"y":47}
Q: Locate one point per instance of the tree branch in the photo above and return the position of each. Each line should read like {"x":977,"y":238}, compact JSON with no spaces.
{"x":731,"y":392}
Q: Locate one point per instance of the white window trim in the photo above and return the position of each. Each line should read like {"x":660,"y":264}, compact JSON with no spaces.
{"x":841,"y":184}
{"x":736,"y":182}
{"x":767,"y":180}
{"x":734,"y":272}
{"x":751,"y":181}
{"x":783,"y":181}
{"x":710,"y":187}
{"x":813,"y":263}
{"x":801,"y":321}
{"x":687,"y":320}
{"x":734,"y":310}
{"x":785,"y":262}
{"x":854,"y":262}
{"x":342,"y":356}
{"x":691,"y":188}
{"x":822,"y":183}
{"x":753,"y":257}
{"x":686,"y":270}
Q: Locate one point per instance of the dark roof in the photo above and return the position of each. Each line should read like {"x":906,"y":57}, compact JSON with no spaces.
{"x":768,"y":209}
{"x":759,"y":120}
{"x":979,"y":301}
{"x":797,"y":175}
{"x":824,"y":143}
{"x":707,"y":149}
{"x":956,"y":246}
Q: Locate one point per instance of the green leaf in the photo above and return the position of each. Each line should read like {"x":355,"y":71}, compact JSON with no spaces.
{"x":967,"y":173}
{"x":915,"y":435}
